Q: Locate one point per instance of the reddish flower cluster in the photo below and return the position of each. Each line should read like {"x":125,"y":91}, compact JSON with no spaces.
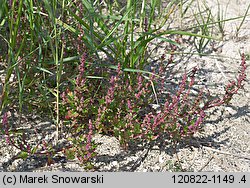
{"x":11,"y":139}
{"x":232,"y":87}
{"x":6,"y":128}
{"x":110,"y":95}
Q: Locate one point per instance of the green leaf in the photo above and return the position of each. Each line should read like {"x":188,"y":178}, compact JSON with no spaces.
{"x":34,"y":150}
{"x":44,"y":70}
{"x":23,"y":155}
{"x":114,"y":29}
{"x":70,"y":154}
{"x":128,"y":69}
{"x":185,"y":129}
{"x":101,"y":101}
{"x":94,"y":77}
{"x":179,"y":32}
{"x":65,"y":60}
{"x":3,"y":132}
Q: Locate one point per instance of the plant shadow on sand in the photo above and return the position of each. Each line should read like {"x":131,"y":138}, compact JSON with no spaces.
{"x":34,"y":163}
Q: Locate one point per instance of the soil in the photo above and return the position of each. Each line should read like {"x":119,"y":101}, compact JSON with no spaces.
{"x":222,"y":146}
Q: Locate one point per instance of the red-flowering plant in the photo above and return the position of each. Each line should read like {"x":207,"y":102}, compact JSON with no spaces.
{"x":19,"y":139}
{"x":116,"y":109}
{"x":121,"y":107}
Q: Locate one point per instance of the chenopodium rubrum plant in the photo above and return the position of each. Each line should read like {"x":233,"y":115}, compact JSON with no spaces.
{"x":122,"y":108}
{"x":114,"y":107}
{"x":78,"y":109}
{"x":20,"y":140}
{"x":179,"y":117}
{"x":182,"y":114}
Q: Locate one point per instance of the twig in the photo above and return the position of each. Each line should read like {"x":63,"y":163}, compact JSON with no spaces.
{"x":221,"y":71}
{"x":206,"y":164}
{"x":226,"y":153}
{"x":153,"y":87}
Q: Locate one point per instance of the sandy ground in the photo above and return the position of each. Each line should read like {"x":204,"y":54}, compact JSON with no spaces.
{"x":224,"y":145}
